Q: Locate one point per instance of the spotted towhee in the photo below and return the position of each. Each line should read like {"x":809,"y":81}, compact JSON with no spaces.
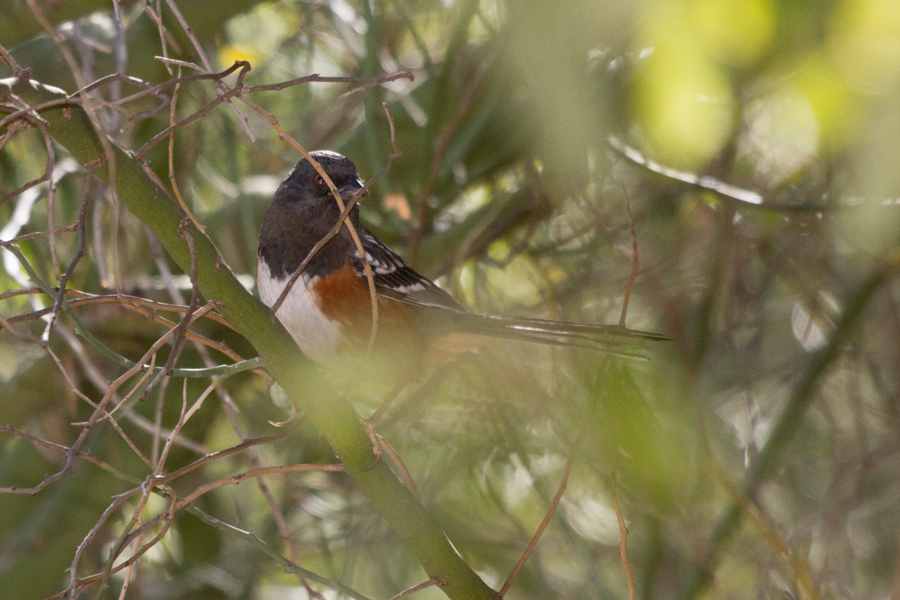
{"x":328,"y":310}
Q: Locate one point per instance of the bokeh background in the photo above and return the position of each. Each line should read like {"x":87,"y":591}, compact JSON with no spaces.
{"x":756,"y":143}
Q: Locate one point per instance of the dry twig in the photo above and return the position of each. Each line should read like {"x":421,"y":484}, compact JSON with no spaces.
{"x":634,"y":262}
{"x":540,"y":530}
{"x":623,"y":538}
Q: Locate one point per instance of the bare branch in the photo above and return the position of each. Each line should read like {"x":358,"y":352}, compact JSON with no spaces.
{"x":537,"y":534}
{"x":634,"y":261}
{"x":82,"y":247}
{"x":623,"y":538}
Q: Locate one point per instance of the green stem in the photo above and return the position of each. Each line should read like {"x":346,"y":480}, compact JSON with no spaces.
{"x":788,"y":424}
{"x":289,"y":566}
{"x":84,"y":332}
{"x":332,"y":414}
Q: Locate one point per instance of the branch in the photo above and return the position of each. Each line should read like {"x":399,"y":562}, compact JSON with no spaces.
{"x":788,"y":423}
{"x":333,"y":415}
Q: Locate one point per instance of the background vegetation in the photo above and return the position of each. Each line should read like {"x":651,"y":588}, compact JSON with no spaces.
{"x":756,"y":143}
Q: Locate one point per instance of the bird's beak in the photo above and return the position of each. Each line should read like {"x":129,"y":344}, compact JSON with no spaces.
{"x":348,"y":191}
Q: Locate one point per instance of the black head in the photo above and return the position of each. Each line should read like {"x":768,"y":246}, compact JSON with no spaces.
{"x":305,"y":182}
{"x":304,"y":211}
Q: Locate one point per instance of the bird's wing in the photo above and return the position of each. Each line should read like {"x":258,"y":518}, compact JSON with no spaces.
{"x":397,"y":280}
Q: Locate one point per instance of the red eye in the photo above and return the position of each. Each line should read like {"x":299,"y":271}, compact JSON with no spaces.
{"x":319,"y":181}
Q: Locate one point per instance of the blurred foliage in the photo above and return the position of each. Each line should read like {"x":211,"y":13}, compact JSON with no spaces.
{"x":756,"y":455}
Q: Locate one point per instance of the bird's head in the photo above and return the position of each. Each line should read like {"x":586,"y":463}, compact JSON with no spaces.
{"x":305,"y":183}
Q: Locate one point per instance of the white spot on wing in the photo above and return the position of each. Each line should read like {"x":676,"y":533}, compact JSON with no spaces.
{"x":409,"y":289}
{"x":378,"y":266}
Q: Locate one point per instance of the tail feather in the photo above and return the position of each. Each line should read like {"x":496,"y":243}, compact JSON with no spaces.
{"x":557,"y":333}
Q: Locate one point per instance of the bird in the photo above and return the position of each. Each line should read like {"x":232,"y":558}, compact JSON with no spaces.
{"x":328,"y":310}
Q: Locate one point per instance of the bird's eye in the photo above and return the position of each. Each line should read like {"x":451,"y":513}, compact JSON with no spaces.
{"x":319,"y":181}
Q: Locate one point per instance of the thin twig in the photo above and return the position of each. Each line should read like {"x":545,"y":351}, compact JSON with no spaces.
{"x":82,"y":248}
{"x":98,"y":413}
{"x":172,"y":180}
{"x":240,"y":89}
{"x":553,"y":505}
{"x":401,"y":466}
{"x":289,"y":566}
{"x":188,"y":315}
{"x":6,"y":57}
{"x":233,"y":480}
{"x":38,"y":234}
{"x":35,"y":441}
{"x":206,"y":63}
{"x":214,"y":370}
{"x":73,"y":566}
{"x":185,"y":121}
{"x":623,"y":538}
{"x":417,"y":588}
{"x":441,"y":146}
{"x":38,"y":13}
{"x":634,"y":261}
{"x":143,"y":305}
{"x":373,"y":83}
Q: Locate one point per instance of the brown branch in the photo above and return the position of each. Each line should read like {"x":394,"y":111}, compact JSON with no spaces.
{"x":35,"y":441}
{"x":242,"y":119}
{"x":178,"y":506}
{"x":169,"y":519}
{"x":190,"y":335}
{"x":190,"y":118}
{"x":272,"y":87}
{"x":142,"y":306}
{"x":623,"y":538}
{"x":38,"y":234}
{"x":245,"y":445}
{"x":179,"y":329}
{"x":314,"y":78}
{"x":20,"y":292}
{"x":553,"y":505}
{"x":241,"y":89}
{"x":235,"y":479}
{"x":82,"y":246}
{"x":165,"y":37}
{"x":208,"y":487}
{"x":24,"y":187}
{"x":417,"y":588}
{"x":6,"y":57}
{"x":126,"y":303}
{"x":401,"y":466}
{"x":798,"y":567}
{"x":113,"y":506}
{"x":441,"y":146}
{"x":99,"y":412}
{"x":172,"y":180}
{"x":376,"y":81}
{"x":634,"y":262}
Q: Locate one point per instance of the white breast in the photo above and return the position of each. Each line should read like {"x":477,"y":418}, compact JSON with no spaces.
{"x":300,"y":313}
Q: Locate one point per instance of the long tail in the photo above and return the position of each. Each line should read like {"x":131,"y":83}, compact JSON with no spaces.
{"x":557,"y":333}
